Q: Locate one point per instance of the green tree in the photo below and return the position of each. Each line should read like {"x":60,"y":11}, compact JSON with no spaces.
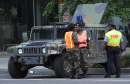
{"x":51,"y":9}
{"x":114,"y":7}
{"x":72,"y":4}
{"x":117,"y":8}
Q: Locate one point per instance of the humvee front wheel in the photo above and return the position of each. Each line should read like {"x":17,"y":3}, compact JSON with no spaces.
{"x":14,"y":69}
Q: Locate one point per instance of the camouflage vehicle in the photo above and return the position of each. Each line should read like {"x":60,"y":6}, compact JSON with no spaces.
{"x":46,"y":47}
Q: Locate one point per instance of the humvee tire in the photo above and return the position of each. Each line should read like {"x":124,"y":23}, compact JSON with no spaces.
{"x":14,"y":69}
{"x":62,"y":67}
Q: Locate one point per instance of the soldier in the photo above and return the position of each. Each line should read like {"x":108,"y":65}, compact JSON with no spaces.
{"x":81,"y":42}
{"x":113,"y":40}
{"x":77,"y":38}
{"x":70,"y":35}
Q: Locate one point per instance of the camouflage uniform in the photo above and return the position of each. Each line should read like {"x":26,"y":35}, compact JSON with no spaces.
{"x":84,"y":52}
{"x":74,"y":58}
{"x":81,"y":56}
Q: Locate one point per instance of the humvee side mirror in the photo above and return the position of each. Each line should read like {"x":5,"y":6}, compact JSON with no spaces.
{"x":25,"y":36}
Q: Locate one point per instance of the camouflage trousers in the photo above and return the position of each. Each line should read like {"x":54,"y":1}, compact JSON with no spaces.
{"x":78,"y":59}
{"x":83,"y":59}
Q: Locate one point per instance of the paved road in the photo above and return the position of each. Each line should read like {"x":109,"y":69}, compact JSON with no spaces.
{"x":66,"y":81}
{"x":34,"y":72}
{"x":43,"y":72}
{"x":41,"y":75}
{"x":3,"y":63}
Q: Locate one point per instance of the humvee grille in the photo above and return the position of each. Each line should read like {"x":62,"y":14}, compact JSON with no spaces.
{"x":32,"y":51}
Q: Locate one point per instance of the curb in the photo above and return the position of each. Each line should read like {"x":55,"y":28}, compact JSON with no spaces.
{"x":102,"y":71}
{"x":90,"y":71}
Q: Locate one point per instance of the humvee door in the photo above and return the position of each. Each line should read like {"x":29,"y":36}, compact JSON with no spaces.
{"x":96,"y":45}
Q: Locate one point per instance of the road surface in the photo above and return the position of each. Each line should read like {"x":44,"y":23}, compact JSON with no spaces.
{"x":66,"y":81}
{"x":41,"y":75}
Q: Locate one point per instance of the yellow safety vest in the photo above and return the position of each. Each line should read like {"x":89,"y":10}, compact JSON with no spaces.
{"x":114,"y":38}
{"x":69,"y":40}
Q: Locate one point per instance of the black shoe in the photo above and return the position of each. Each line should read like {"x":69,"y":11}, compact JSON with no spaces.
{"x":75,"y":77}
{"x":82,"y":75}
{"x":107,"y":76}
{"x":72,"y":77}
{"x":117,"y":76}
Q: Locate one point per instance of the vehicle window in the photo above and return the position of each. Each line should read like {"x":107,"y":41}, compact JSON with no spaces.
{"x":101,"y":34}
{"x":42,"y":34}
{"x":95,"y":34}
{"x":60,"y":33}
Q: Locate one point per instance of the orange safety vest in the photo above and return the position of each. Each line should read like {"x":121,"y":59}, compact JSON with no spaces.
{"x":69,"y":40}
{"x":82,"y":39}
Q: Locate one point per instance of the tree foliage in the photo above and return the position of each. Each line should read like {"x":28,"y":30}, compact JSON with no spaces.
{"x":72,"y":4}
{"x":114,"y":7}
{"x":49,"y":8}
{"x":117,"y":8}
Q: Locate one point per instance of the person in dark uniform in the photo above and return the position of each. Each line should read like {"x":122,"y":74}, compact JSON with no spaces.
{"x":113,"y":40}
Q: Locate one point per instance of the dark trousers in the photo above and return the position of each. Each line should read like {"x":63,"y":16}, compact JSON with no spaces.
{"x":104,"y":66}
{"x":113,"y":60}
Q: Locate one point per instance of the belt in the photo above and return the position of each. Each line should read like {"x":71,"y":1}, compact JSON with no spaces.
{"x":83,"y":47}
{"x":113,"y":46}
{"x":81,"y":42}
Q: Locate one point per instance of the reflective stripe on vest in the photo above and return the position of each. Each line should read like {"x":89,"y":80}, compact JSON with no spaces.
{"x":82,"y":39}
{"x":68,"y":40}
{"x":114,"y":38}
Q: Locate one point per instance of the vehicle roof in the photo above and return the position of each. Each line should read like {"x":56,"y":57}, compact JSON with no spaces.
{"x":49,"y":26}
{"x":95,"y":26}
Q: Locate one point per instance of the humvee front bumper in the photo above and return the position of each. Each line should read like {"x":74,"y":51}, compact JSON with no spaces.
{"x":32,"y":59}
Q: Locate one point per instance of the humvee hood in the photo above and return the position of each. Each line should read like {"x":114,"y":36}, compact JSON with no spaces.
{"x":40,"y":43}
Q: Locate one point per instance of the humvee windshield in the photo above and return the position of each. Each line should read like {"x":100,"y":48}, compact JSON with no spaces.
{"x":42,"y":34}
{"x":60,"y":33}
{"x":48,"y":34}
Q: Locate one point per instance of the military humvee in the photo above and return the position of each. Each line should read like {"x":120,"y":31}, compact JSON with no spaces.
{"x":46,"y":47}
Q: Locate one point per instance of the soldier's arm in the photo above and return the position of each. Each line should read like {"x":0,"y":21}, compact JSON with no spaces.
{"x":88,"y":39}
{"x":105,"y":41}
{"x":123,"y":43}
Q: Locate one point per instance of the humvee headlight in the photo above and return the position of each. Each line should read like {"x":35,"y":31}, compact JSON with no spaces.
{"x":20,"y":51}
{"x":43,"y":50}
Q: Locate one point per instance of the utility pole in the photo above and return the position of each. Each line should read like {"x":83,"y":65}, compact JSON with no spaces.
{"x":34,"y":15}
{"x":60,"y":9}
